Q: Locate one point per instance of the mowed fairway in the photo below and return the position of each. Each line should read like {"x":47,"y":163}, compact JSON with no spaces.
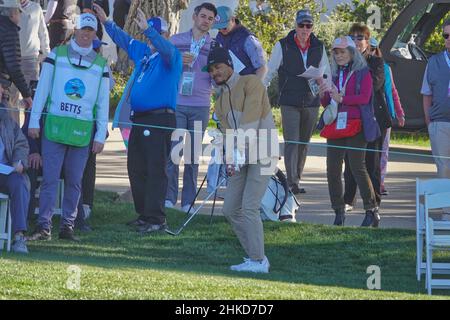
{"x":307,"y":262}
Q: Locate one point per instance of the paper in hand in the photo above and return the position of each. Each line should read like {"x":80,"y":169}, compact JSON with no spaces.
{"x":313,"y":73}
{"x":6,"y":170}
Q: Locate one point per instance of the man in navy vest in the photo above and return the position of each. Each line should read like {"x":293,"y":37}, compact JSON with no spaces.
{"x":291,"y":56}
{"x":436,"y":107}
{"x":246,"y":51}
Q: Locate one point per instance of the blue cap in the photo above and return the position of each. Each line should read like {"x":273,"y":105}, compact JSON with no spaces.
{"x":159,"y":24}
{"x":303,"y":16}
{"x":373,"y":42}
{"x":224,"y":15}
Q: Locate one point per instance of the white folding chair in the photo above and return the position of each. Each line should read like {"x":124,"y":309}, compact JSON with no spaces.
{"x":5,"y":222}
{"x":435,"y":239}
{"x":428,"y":187}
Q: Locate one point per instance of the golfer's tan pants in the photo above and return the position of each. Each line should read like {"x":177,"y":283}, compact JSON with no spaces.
{"x":243,"y":197}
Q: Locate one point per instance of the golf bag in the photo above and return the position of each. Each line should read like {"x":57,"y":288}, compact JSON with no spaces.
{"x":278,"y":203}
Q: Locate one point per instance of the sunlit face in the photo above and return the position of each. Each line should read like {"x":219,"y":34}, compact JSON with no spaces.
{"x":361,"y":41}
{"x":220,"y":72}
{"x":204,"y":20}
{"x":229,"y":28}
{"x":304,"y":30}
{"x":447,"y":41}
{"x":85,"y":36}
{"x":342,"y":56}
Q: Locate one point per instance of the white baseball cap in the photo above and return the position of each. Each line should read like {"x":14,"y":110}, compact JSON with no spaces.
{"x":86,"y":20}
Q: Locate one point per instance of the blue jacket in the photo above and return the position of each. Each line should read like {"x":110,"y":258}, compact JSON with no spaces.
{"x":157,"y":76}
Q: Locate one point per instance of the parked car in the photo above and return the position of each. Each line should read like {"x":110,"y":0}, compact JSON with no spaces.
{"x":403,"y":49}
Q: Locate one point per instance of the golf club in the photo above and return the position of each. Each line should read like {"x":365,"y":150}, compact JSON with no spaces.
{"x":196,"y":211}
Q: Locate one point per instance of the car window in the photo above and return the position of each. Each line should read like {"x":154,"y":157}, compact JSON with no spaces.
{"x":421,"y":37}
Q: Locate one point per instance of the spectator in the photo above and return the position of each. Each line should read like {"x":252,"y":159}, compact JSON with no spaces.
{"x":291,"y":56}
{"x":14,"y":152}
{"x":85,"y":6}
{"x":10,"y":70}
{"x":193,"y":101}
{"x":436,"y":107}
{"x":248,"y":181}
{"x":395,"y":111}
{"x":361,"y":35}
{"x":349,"y":71}
{"x":241,"y":42}
{"x":34,"y":46}
{"x":77,"y":78}
{"x":60,"y":17}
{"x":159,"y":68}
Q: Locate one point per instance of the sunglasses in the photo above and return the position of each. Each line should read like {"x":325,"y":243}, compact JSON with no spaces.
{"x":358,"y":37}
{"x":446,"y":35}
{"x":303,"y":25}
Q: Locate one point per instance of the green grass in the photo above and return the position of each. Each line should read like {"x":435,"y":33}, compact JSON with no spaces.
{"x":308,"y":262}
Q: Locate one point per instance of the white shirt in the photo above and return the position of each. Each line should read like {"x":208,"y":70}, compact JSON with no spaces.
{"x":33,"y":31}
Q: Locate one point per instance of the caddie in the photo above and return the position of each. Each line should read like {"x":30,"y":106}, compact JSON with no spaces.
{"x":74,"y":92}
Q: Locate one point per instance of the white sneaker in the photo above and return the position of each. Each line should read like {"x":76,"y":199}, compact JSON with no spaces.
{"x":186,"y":209}
{"x":87,"y":211}
{"x":252,"y":266}
{"x":348,"y":208}
{"x":168,"y":204}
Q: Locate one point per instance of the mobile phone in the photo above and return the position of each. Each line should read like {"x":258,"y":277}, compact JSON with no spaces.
{"x":88,"y":4}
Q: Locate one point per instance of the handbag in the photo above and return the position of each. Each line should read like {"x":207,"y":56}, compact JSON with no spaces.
{"x":330,"y":131}
{"x":330,"y":112}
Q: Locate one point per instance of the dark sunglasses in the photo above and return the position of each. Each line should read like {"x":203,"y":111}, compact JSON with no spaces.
{"x":307,"y":25}
{"x":358,"y":37}
{"x":446,"y":35}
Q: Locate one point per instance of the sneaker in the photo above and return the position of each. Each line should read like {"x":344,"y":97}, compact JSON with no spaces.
{"x":348,"y":208}
{"x":136,"y":223}
{"x":67,"y":233}
{"x":19,"y":245}
{"x":40,"y":235}
{"x":186,"y":209}
{"x":252,"y":266}
{"x":372,"y":218}
{"x":87,"y":211}
{"x":288,"y":218}
{"x":168,"y":204}
{"x":384,"y":192}
{"x":150,"y":228}
{"x":296,"y":190}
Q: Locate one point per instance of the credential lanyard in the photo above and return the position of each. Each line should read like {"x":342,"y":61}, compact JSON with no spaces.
{"x":145,"y":64}
{"x":447,"y":58}
{"x":196,"y":46}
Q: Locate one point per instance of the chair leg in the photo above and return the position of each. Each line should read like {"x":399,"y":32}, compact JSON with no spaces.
{"x":8,"y":243}
{"x":419,"y":245}
{"x":429,"y":269}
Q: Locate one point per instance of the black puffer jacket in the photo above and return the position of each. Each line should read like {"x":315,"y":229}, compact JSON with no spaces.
{"x":10,"y":55}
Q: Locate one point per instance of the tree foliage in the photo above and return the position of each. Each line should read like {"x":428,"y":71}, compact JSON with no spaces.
{"x":271,"y":27}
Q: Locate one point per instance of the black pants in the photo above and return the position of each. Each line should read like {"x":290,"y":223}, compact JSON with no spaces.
{"x":148,"y":154}
{"x":33,"y":175}
{"x":87,"y":188}
{"x":58,"y":34}
{"x":373,"y":164}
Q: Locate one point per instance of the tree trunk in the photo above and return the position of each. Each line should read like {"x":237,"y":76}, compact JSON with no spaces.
{"x":168,"y":9}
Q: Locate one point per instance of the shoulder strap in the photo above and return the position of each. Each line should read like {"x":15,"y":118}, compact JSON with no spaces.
{"x":60,"y":51}
{"x":101,"y":62}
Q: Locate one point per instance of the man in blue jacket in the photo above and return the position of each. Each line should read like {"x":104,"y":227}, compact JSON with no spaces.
{"x":153,"y":98}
